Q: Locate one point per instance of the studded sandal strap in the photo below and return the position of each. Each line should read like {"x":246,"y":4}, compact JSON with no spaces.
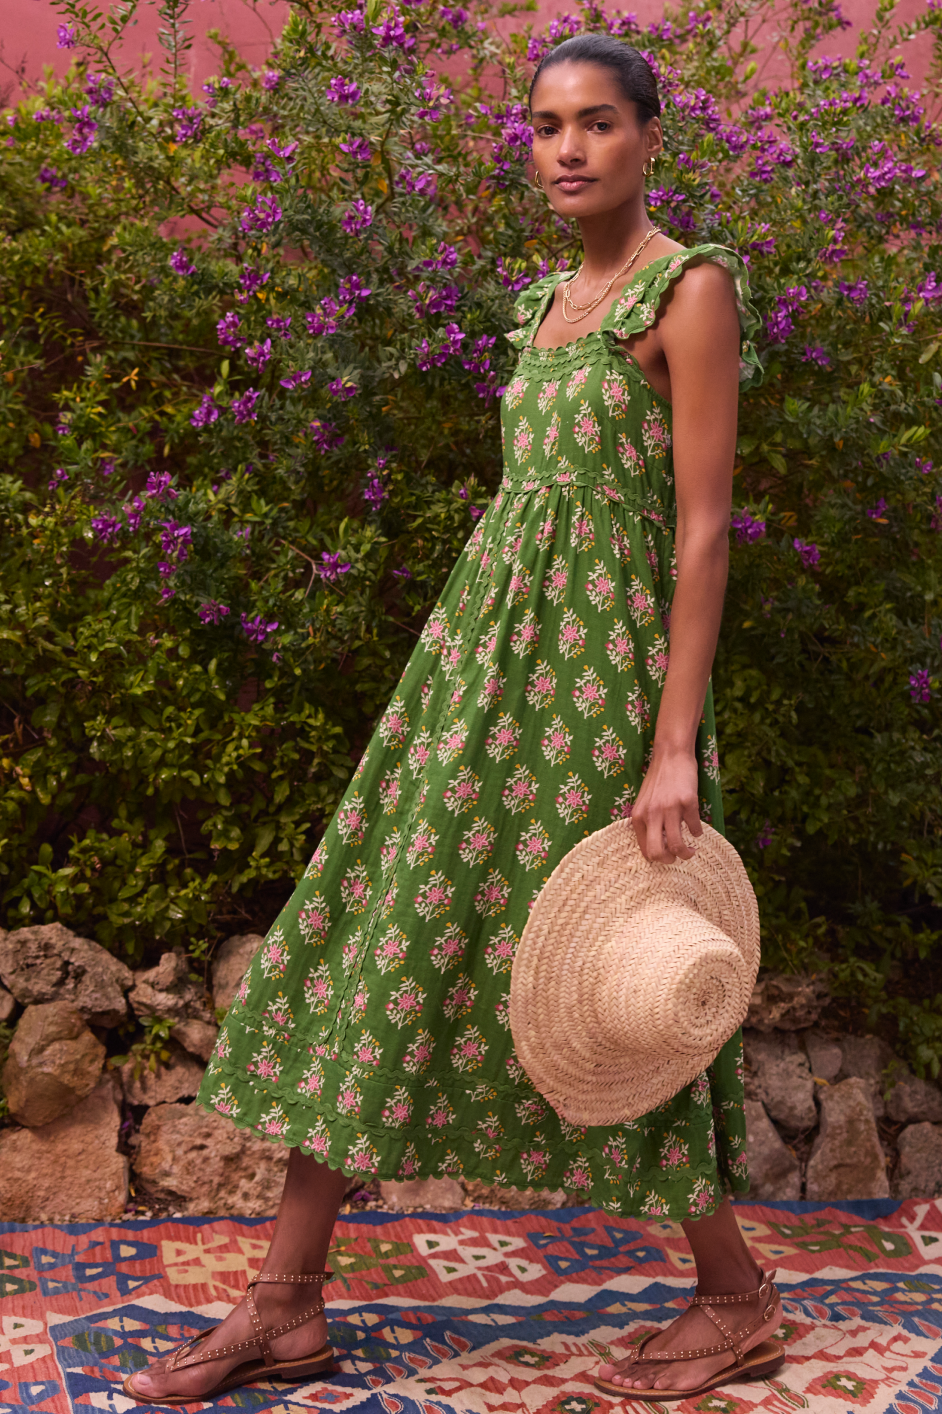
{"x":766,"y":1295}
{"x":180,"y":1359}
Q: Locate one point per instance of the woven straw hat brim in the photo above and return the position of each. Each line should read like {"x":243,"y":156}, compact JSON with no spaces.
{"x":631,"y":976}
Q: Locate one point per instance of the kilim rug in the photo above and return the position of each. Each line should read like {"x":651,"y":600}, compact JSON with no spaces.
{"x":480,"y":1311}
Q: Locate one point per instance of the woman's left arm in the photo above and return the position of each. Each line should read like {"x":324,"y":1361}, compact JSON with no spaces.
{"x":699,"y":338}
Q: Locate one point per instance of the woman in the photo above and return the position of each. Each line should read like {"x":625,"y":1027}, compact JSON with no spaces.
{"x":370,"y":1033}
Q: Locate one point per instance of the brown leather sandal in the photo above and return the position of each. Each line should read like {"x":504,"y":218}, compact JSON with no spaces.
{"x":762,"y":1359}
{"x":268,"y":1367}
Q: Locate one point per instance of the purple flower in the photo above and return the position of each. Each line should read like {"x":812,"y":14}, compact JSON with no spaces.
{"x":353,"y":288}
{"x":924,"y":466}
{"x":244,"y":408}
{"x":250,"y":281}
{"x":294,"y":380}
{"x":350,"y":22}
{"x":857,"y":292}
{"x":374,"y":492}
{"x":49,"y":177}
{"x":135,"y":514}
{"x":427,"y":357}
{"x":158,"y":486}
{"x":392,"y":31}
{"x":270,"y":80}
{"x":779,"y":323}
{"x":931,"y":287}
{"x":877,"y":512}
{"x":83,"y":132}
{"x":765,"y":838}
{"x":816,"y":355}
{"x":180,"y":262}
{"x":464,"y":493}
{"x":479,"y":360}
{"x":919,"y":688}
{"x":330,"y":567}
{"x":357,"y":217}
{"x":167,"y":593}
{"x":257,"y":355}
{"x":47,"y":115}
{"x":212,"y":612}
{"x":107,"y":466}
{"x":325,"y":435}
{"x":106,"y":528}
{"x":99,"y":90}
{"x":455,"y":15}
{"x":475,"y":512}
{"x":280,"y":324}
{"x":428,"y":300}
{"x":512,"y":282}
{"x":65,"y":37}
{"x":189,"y":122}
{"x":227,"y":330}
{"x":358,"y":148}
{"x":446,"y":259}
{"x":207,"y":412}
{"x":58,"y":476}
{"x":175,"y":540}
{"x":809,"y":554}
{"x":403,"y":572}
{"x":341,"y":90}
{"x":342,"y":388}
{"x":261,"y":217}
{"x":418,"y":183}
{"x":746,"y":527}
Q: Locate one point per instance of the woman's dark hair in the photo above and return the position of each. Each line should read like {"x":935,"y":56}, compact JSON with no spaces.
{"x":633,"y":72}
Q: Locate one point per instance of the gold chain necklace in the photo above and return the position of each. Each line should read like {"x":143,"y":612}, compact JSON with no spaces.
{"x":586,"y":309}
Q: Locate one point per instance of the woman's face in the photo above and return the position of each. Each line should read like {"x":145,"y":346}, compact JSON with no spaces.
{"x":588,"y":144}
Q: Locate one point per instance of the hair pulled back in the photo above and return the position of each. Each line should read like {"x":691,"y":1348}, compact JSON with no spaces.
{"x":633,"y":72}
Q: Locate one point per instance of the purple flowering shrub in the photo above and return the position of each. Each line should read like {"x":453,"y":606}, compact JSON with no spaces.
{"x":248,"y":424}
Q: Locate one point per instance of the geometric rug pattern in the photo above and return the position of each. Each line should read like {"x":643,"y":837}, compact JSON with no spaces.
{"x":480,"y":1311}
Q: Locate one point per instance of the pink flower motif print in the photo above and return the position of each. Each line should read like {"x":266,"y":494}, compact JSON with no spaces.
{"x":638,"y":709}
{"x":453,"y":655}
{"x":620,"y":542}
{"x":492,"y":689}
{"x":397,"y":1111}
{"x":351,"y":820}
{"x":409,"y":1167}
{"x":273,"y":959}
{"x":224,"y":1101}
{"x":520,"y":791}
{"x":518,"y":586}
{"x":265,"y":1064}
{"x":500,"y":951}
{"x":390,"y":951}
{"x":486,"y":646}
{"x":674,"y":1152}
{"x":579,"y":1174}
{"x":582,"y":531}
{"x":531,"y":1110}
{"x":355,"y":888}
{"x":318,"y":860}
{"x":557,"y":580}
{"x":362,"y":1157}
{"x":418,"y":1053}
{"x":405,"y":1004}
{"x":547,"y":396}
{"x":588,"y":695}
{"x":657,"y":439}
{"x":541,"y":685}
{"x":389,"y":851}
{"x":587,"y":431}
{"x":452,"y":743}
{"x":460,"y":998}
{"x":657,"y":659}
{"x":389,"y":898}
{"x":420,"y":751}
{"x":551,"y":436}
{"x":389,"y":791}
{"x":434,"y":897}
{"x":491,"y":898}
{"x":557,"y":742}
{"x":574,"y":799}
{"x":349,"y":1099}
{"x":503,"y":737}
{"x":434,"y":635}
{"x":477,"y":842}
{"x":546,"y":532}
{"x":700,"y":1090}
{"x":533,"y":847}
{"x":600,"y":587}
{"x":711,"y":760}
{"x":367,"y":1050}
{"x":523,"y":440}
{"x":317,"y":1141}
{"x":571,"y":635}
{"x":277,"y":1019}
{"x":273,"y":1124}
{"x":360,"y":1002}
{"x":621,"y":809}
{"x":441,"y":1115}
{"x":608,"y":753}
{"x":631,"y":459}
{"x":311,"y":1083}
{"x":314,"y":920}
{"x":469,"y":1050}
{"x":620,"y":647}
{"x":318,"y":989}
{"x":242,"y":995}
{"x":640,"y":602}
{"x":502,"y":1013}
{"x":526,"y":635}
{"x":394,"y":726}
{"x":511,"y":547}
{"x":577,"y":381}
{"x":421,"y":847}
{"x":615,"y":395}
{"x":534,"y":1160}
{"x":462,"y":791}
{"x":515,"y":391}
{"x":623,"y":307}
{"x":701,"y":1198}
{"x":449,"y":948}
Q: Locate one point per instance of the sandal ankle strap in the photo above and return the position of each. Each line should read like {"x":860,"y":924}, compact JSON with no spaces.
{"x":766,"y":1293}
{"x":185,"y":1355}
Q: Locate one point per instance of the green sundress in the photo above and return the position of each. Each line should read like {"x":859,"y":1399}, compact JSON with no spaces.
{"x":371,"y":1029}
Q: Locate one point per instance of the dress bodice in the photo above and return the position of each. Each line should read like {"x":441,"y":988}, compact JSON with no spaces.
{"x":584,"y":413}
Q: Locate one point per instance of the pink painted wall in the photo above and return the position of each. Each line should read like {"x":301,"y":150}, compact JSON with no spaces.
{"x":28,"y":33}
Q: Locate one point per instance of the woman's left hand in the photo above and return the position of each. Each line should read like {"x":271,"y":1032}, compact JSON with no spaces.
{"x":668,"y":796}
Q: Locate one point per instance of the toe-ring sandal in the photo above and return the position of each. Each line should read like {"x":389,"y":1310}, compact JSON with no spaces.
{"x":763,"y":1359}
{"x":188,"y":1354}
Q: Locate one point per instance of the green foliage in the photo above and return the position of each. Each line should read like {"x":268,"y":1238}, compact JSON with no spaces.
{"x":207,"y":596}
{"x":151,"y":1050}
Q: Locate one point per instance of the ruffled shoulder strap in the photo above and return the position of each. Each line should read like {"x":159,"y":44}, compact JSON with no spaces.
{"x":636,"y":308}
{"x":530,"y":306}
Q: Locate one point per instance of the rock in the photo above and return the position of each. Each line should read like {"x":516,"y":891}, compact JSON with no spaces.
{"x":54,"y":1061}
{"x":203,"y":1165}
{"x":197,"y":1037}
{"x":912,"y":1101}
{"x":167,"y":991}
{"x":179,"y":1079}
{"x":919,"y":1171}
{"x":824,"y":1055}
{"x":773,"y":1168}
{"x":847,"y":1160}
{"x":779,"y":1077}
{"x":438,"y":1195}
{"x":7,"y":1004}
{"x":492,"y":1195}
{"x":784,"y":1002}
{"x":867,"y":1058}
{"x":50,"y":964}
{"x":230,"y":965}
{"x":69,"y":1170}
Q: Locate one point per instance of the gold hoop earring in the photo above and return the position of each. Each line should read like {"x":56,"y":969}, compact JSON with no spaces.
{"x":538,"y":183}
{"x":644,"y":166}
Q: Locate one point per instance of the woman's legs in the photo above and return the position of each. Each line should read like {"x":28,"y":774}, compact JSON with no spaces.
{"x":724,"y":1268}
{"x":309,"y":1204}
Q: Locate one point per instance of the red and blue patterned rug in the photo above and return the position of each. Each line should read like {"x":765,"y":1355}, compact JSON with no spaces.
{"x":480,"y":1311}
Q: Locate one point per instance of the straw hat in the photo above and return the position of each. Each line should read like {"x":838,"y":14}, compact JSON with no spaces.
{"x":630,"y":976}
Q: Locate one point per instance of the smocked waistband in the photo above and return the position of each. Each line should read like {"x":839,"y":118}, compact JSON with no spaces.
{"x":640,"y":500}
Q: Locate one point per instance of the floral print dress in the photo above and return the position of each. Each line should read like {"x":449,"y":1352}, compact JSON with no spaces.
{"x":371,"y":1029}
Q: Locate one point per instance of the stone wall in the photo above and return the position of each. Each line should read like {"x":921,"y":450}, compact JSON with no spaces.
{"x":829,"y":1116}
